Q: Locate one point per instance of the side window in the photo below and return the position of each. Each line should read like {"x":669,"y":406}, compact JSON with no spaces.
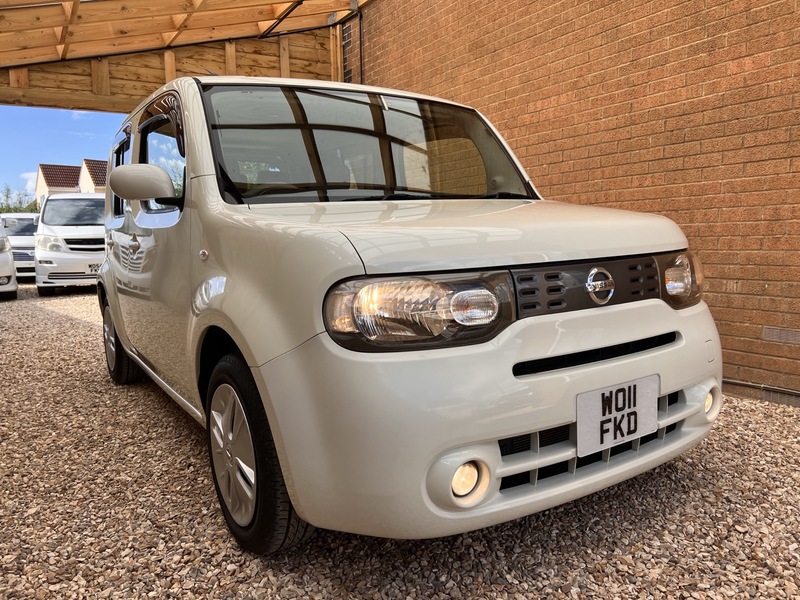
{"x":161,"y":144}
{"x":121,"y":155}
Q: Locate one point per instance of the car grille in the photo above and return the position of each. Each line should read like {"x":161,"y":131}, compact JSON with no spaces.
{"x":549,"y":457}
{"x":132,"y":261}
{"x":70,"y":276}
{"x":577,"y":359}
{"x":86,"y":244}
{"x":22,"y":254}
{"x":559,"y":288}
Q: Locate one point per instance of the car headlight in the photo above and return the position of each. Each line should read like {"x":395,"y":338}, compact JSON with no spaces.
{"x":51,"y":243}
{"x":683,"y":280}
{"x":5,"y":245}
{"x":416,"y":312}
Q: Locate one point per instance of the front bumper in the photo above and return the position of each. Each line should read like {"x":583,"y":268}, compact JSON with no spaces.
{"x":7,"y":274}
{"x":67,"y":268}
{"x":369,"y":442}
{"x":24,"y":262}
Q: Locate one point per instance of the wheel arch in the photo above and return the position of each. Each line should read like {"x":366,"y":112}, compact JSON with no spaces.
{"x":215,"y":344}
{"x":102,"y":296}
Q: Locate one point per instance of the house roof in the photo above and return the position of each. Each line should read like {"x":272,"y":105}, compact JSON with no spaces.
{"x":97,"y":170}
{"x":60,"y":176}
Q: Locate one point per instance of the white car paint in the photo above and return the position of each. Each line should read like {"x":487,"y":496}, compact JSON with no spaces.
{"x":370,"y":437}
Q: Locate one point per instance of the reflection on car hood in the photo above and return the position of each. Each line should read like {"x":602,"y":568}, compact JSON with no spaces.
{"x":394,"y":237}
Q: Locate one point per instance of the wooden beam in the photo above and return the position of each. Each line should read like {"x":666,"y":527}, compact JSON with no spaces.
{"x":71,"y":10}
{"x":283,"y":54}
{"x":37,"y":17}
{"x":73,"y":100}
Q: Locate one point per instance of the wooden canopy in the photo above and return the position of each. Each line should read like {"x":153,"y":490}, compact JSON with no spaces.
{"x":108,"y":54}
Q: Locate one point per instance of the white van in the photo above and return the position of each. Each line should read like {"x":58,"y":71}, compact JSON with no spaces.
{"x":69,"y":242}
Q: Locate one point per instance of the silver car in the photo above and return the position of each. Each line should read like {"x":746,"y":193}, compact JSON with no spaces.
{"x":382,"y":325}
{"x":21,"y":229}
{"x":8,"y":280}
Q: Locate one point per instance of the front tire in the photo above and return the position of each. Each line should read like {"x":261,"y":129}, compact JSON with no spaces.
{"x":244,"y":464}
{"x":121,"y":367}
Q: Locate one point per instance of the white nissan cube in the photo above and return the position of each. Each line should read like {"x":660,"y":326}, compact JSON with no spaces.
{"x":382,"y":325}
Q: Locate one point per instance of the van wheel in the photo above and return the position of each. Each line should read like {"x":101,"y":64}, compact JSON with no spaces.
{"x":121,"y":367}
{"x":244,"y":463}
{"x":46,"y":291}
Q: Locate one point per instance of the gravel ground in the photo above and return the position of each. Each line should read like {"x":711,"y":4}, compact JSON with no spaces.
{"x":106,"y":493}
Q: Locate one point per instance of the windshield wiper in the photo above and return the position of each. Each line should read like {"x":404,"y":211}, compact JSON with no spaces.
{"x":506,"y":196}
{"x":392,"y":196}
{"x":276,"y":188}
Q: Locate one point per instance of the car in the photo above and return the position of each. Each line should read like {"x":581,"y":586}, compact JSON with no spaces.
{"x":8,"y":280}
{"x":382,"y":325}
{"x":21,"y":228}
{"x":69,"y":242}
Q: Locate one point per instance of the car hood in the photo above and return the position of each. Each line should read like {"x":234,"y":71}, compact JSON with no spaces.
{"x":395,"y":237}
{"x":21,"y":241}
{"x":72,"y":231}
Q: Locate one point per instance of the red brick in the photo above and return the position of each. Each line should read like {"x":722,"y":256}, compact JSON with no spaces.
{"x":687,"y":108}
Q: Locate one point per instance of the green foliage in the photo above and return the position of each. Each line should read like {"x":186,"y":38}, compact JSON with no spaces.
{"x":16,"y":201}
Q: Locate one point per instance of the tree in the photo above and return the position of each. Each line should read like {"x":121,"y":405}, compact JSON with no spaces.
{"x":16,"y":200}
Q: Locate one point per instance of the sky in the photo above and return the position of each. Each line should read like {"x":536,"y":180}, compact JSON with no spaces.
{"x":33,"y":136}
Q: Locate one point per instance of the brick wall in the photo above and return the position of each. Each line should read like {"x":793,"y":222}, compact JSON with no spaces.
{"x":686,"y":108}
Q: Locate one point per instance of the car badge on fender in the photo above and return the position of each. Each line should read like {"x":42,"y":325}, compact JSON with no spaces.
{"x":602,"y":285}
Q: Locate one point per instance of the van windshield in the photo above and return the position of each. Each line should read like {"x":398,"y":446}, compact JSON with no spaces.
{"x":20,"y":226}
{"x":73,"y":211}
{"x":294,"y":144}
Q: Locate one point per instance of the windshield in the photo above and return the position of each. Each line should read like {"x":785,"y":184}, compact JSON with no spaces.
{"x":286,"y":144}
{"x":20,"y":225}
{"x":73,"y":211}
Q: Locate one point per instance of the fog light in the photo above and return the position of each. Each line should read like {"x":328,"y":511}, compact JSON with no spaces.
{"x":709,"y":401}
{"x":465,"y":480}
{"x":4,"y":280}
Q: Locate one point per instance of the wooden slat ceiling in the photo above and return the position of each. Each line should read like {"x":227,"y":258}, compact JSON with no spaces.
{"x":38,"y":31}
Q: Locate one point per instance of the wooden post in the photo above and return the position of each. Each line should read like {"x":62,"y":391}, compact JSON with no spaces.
{"x":18,"y":77}
{"x":169,"y":65}
{"x":286,"y":70}
{"x":337,"y":54}
{"x":230,"y":57}
{"x":101,"y":81}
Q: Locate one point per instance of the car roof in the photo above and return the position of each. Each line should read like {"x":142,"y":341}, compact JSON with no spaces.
{"x":20,"y":215}
{"x":76,"y":195}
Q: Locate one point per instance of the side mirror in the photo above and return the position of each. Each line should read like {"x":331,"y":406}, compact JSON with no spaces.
{"x":144,"y":182}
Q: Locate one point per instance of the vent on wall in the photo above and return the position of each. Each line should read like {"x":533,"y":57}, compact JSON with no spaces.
{"x":785,"y":336}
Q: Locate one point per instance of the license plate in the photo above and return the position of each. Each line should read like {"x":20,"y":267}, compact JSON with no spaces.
{"x":94,"y":267}
{"x":617,"y":414}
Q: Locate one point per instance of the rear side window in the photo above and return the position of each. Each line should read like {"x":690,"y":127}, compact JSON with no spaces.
{"x":121,"y":155}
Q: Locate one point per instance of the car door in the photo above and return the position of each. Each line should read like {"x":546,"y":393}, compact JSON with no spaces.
{"x":118,"y":230}
{"x":156,"y":298}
